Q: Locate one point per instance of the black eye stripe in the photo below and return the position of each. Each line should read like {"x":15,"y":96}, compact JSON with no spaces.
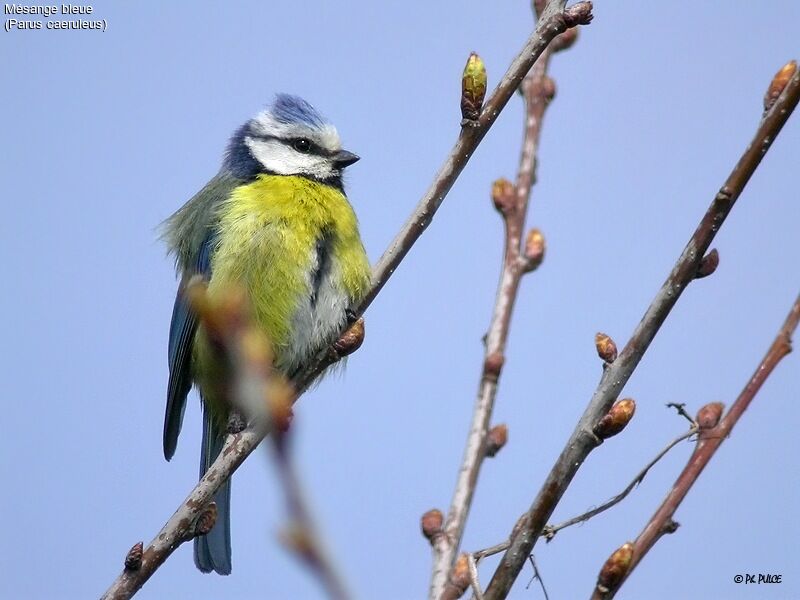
{"x":315,"y":149}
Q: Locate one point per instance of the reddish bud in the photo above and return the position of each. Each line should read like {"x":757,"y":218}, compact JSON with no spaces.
{"x":709,"y":415}
{"x":615,"y":568}
{"x":431,"y":524}
{"x":579,"y":13}
{"x":496,"y":439}
{"x":493,"y":365}
{"x":779,"y":83}
{"x":615,"y":420}
{"x":708,"y":265}
{"x":606,"y":348}
{"x":133,"y":560}
{"x":534,"y":250}
{"x":503,"y":195}
{"x":459,"y":576}
{"x":548,"y":88}
{"x":351,"y":340}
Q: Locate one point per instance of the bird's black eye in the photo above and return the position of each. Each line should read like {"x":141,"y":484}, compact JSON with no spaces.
{"x":302,"y":145}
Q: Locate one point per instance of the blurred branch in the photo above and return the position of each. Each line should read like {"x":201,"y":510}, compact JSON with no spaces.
{"x":238,"y":446}
{"x":615,"y":376}
{"x":713,"y":432}
{"x":302,"y":535}
{"x":521,"y":256}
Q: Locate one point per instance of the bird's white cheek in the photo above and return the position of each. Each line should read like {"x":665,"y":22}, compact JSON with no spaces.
{"x":278,"y":158}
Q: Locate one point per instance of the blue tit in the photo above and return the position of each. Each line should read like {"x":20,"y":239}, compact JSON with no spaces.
{"x":274,"y":221}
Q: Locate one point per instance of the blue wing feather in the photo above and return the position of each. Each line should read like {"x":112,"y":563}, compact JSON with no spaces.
{"x":181,"y":338}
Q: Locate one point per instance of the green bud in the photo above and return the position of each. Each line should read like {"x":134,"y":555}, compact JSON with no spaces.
{"x":473,"y":88}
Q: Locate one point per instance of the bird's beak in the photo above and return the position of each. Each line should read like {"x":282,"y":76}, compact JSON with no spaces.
{"x":343,"y":158}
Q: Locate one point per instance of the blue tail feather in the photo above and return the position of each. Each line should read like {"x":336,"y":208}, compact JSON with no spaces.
{"x":212,"y":552}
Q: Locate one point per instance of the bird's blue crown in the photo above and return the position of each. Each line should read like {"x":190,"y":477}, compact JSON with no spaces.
{"x":286,"y":114}
{"x":293,"y":109}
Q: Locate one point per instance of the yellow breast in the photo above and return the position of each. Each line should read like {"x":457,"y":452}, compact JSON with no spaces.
{"x":294,"y":245}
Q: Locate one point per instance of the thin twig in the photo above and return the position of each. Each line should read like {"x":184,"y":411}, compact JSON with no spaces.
{"x":512,"y":203}
{"x":581,"y":442}
{"x":239,"y":446}
{"x":550,"y":531}
{"x":709,"y":441}
{"x":473,"y":577}
{"x":681,"y":408}
{"x":491,"y":550}
{"x":537,"y":576}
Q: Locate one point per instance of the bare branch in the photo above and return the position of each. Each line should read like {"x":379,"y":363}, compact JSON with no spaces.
{"x":614,"y":378}
{"x":710,"y":439}
{"x":522,"y":255}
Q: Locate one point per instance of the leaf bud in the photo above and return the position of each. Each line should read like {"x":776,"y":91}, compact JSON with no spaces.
{"x":708,"y":265}
{"x":133,"y":560}
{"x":473,"y":88}
{"x":709,"y":415}
{"x":606,"y":348}
{"x":496,"y":439}
{"x":534,"y":250}
{"x":615,"y":568}
{"x":779,"y":83}
{"x":431,"y":524}
{"x":615,"y":420}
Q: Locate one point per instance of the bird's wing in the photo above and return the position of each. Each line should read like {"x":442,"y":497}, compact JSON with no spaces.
{"x":181,"y":338}
{"x":196,"y":220}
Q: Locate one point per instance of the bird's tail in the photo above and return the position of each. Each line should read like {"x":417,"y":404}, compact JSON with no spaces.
{"x":212,"y":552}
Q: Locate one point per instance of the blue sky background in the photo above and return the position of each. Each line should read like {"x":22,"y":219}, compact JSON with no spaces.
{"x":106,"y":134}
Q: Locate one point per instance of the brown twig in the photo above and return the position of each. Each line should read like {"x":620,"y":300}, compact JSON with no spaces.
{"x":582,"y":441}
{"x":521,"y":255}
{"x":709,"y":440}
{"x":239,"y":446}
